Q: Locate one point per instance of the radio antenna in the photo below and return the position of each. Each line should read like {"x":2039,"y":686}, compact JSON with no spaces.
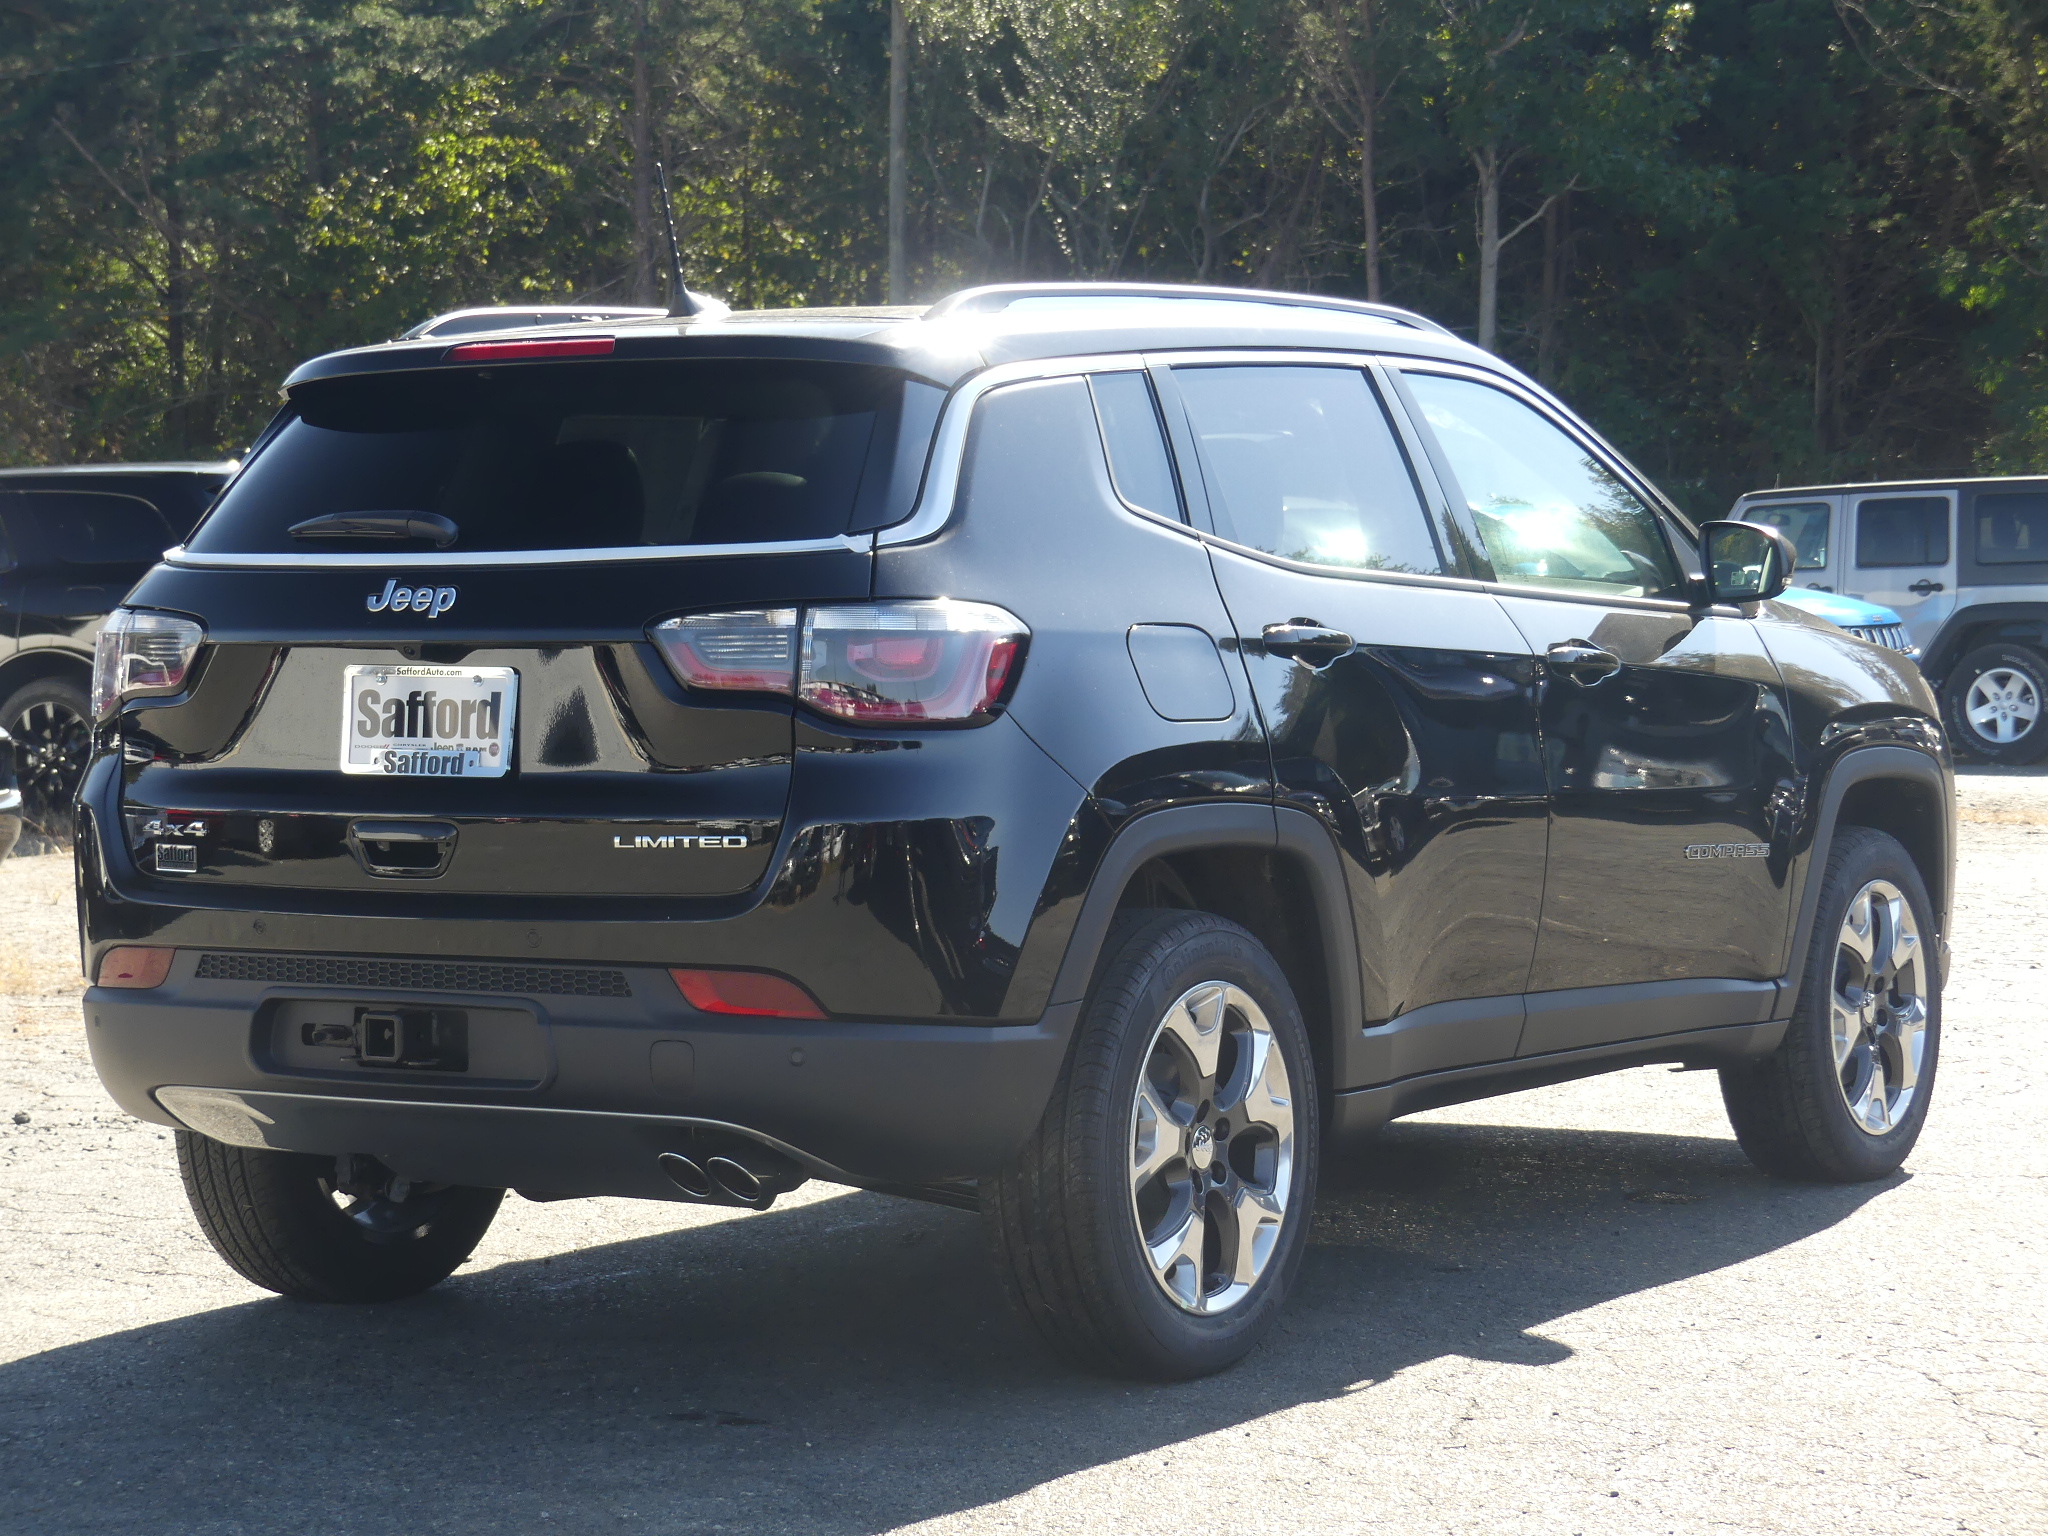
{"x":681,"y":302}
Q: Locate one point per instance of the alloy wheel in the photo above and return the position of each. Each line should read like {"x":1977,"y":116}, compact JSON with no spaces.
{"x":52,"y":744}
{"x":1878,"y":1014}
{"x":2002,"y":705}
{"x":1212,"y":1148}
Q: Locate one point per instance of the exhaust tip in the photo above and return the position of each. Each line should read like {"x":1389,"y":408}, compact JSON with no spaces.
{"x":687,"y":1174}
{"x":739,"y":1181}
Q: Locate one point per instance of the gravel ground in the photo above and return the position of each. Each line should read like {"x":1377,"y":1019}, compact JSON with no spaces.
{"x":1573,"y":1310}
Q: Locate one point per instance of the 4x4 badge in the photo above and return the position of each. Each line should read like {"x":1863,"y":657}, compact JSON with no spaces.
{"x":432,"y":601}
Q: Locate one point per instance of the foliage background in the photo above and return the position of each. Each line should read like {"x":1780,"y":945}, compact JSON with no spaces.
{"x":1756,"y":243}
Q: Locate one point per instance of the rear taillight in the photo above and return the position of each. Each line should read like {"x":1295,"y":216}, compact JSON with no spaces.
{"x":752,"y":651}
{"x":936,"y":662}
{"x":909,"y":663}
{"x":140,"y":653}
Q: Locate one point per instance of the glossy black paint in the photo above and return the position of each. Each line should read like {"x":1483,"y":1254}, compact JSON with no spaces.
{"x":1474,"y":864}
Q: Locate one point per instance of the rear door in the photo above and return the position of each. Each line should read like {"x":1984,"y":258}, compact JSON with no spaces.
{"x":1399,"y":701}
{"x":1810,"y":524}
{"x":1903,"y":556}
{"x":572,"y":675}
{"x":78,"y":553}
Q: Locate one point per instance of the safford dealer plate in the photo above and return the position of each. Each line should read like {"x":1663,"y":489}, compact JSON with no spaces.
{"x":419,"y":722}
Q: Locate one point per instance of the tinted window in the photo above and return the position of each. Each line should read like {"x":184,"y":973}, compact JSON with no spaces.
{"x":1902,"y":530}
{"x":1136,"y":446}
{"x":2012,"y":527}
{"x":1302,"y":463}
{"x":1547,"y":510}
{"x":83,"y":528}
{"x":569,"y":455}
{"x":1805,"y":523}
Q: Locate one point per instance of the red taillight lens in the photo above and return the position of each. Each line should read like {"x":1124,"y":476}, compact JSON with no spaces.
{"x":526,"y":351}
{"x":751,"y":652}
{"x":746,"y":992}
{"x":909,"y":663}
{"x":135,"y":967}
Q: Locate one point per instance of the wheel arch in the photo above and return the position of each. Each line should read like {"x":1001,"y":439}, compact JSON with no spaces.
{"x":33,"y":666}
{"x":1273,"y":871}
{"x":1896,"y":790}
{"x":1984,"y":624}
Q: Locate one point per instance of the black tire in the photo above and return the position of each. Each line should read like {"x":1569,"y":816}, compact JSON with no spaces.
{"x":1063,"y":1218}
{"x":2015,"y":672}
{"x":274,"y":1217}
{"x":50,"y":720}
{"x":1791,"y":1110}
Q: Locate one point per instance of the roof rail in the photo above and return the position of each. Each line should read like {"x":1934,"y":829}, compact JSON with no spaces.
{"x":509,"y":317}
{"x":999,"y":296}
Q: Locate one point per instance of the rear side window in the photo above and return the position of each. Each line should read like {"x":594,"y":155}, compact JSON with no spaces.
{"x":1302,"y":463}
{"x":1135,"y":442}
{"x":1805,"y":523}
{"x":2012,"y":527}
{"x":1548,"y":511}
{"x":83,"y":528}
{"x":1902,"y":530}
{"x":572,"y":456}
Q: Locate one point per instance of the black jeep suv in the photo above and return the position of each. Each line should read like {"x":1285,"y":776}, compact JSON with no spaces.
{"x":1067,"y":752}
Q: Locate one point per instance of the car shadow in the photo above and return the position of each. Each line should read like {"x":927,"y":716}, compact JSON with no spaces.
{"x":842,"y":1366}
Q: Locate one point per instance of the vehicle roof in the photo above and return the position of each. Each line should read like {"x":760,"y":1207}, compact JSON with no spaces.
{"x":225,"y":467}
{"x":1778,"y":492}
{"x":960,"y":335}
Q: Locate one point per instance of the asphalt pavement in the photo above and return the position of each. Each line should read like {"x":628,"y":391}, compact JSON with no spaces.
{"x":1572,"y":1310}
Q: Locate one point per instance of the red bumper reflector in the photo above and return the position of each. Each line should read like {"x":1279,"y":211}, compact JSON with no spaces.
{"x":139,"y":968}
{"x":746,"y":992}
{"x":522,"y":351}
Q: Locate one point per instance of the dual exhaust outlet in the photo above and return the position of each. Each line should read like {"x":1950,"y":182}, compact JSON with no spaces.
{"x":741,"y":1174}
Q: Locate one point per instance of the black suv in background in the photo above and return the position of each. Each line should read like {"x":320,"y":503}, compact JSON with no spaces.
{"x":1066,"y":752}
{"x":72,"y":542}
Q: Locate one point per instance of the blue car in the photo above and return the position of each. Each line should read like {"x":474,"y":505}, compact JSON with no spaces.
{"x":1866,"y":621}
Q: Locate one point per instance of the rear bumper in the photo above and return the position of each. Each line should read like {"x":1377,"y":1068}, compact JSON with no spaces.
{"x":858,"y":1102}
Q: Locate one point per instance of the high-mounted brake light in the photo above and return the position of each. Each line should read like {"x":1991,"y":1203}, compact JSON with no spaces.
{"x":929,"y":662}
{"x":752,"y":993}
{"x":141,"y":653}
{"x":526,"y":351}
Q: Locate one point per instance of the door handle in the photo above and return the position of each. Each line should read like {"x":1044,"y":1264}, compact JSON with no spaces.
{"x":1923,"y":586}
{"x":1305,"y":640}
{"x":1582,"y":661}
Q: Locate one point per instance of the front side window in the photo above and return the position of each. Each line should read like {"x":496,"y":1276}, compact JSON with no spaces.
{"x":544,"y":456}
{"x":1902,"y":530}
{"x":2012,"y":527}
{"x":1548,"y":511}
{"x":1301,"y":463}
{"x":1805,"y":523}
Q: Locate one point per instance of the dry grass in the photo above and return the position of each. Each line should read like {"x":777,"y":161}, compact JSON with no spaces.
{"x":39,"y":980}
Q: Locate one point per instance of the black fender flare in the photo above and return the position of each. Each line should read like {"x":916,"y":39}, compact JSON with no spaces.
{"x":1949,"y":642}
{"x":1862,"y":765}
{"x":1292,"y":834}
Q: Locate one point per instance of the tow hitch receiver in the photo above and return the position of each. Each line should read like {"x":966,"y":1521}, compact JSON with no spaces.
{"x":422,"y":1039}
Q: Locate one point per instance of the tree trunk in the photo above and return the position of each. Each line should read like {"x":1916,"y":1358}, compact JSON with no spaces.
{"x":646,"y":235}
{"x":899,"y":149}
{"x":1368,"y":177}
{"x":1487,"y":160}
{"x":1554,"y":255}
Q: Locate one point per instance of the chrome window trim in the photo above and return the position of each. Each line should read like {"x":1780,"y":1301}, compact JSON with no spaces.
{"x":857,"y":543}
{"x":941,"y":486}
{"x":1445,"y":579}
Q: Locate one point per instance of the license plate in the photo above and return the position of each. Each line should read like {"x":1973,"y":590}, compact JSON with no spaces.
{"x":428,"y":722}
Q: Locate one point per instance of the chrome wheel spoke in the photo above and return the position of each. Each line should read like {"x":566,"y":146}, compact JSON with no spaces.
{"x":1177,"y":1259}
{"x":1255,"y":1223}
{"x":1196,"y":1021}
{"x":1155,"y":1134}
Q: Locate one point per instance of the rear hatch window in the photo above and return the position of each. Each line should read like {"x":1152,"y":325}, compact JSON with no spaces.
{"x":568,"y":456}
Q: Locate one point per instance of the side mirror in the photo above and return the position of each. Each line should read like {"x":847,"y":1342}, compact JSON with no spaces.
{"x":1745,"y":562}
